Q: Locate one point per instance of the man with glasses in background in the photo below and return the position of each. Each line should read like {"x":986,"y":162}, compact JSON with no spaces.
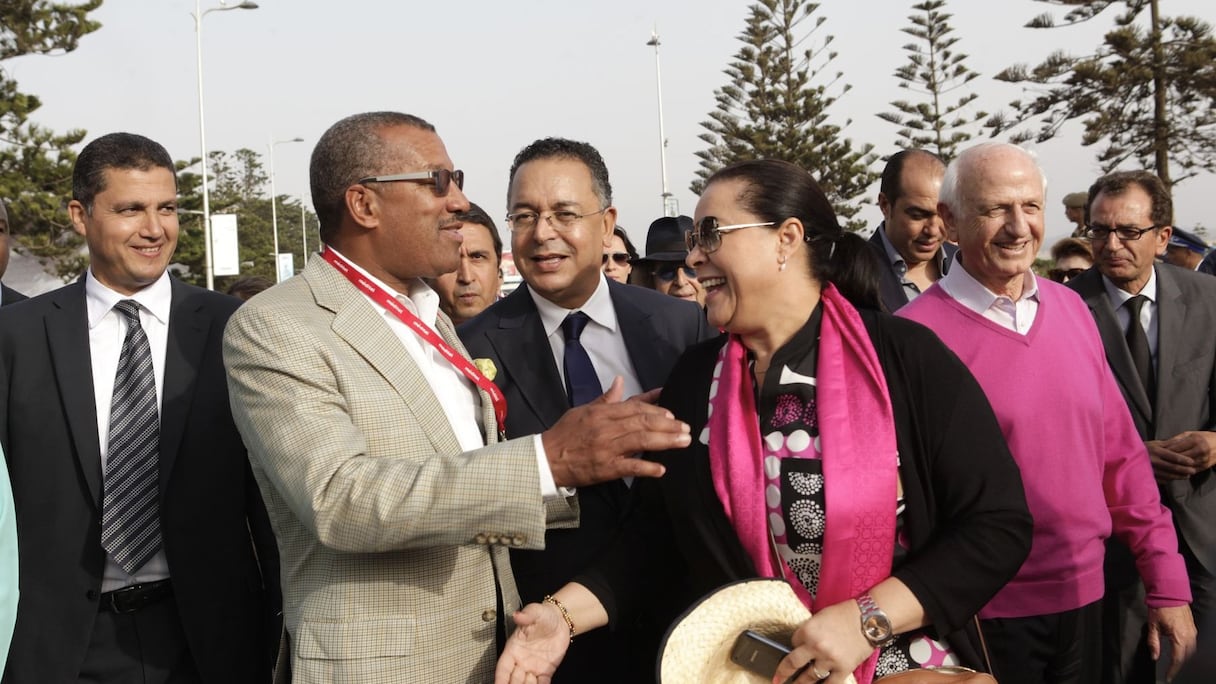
{"x":665,"y":254}
{"x":600,"y":334}
{"x":1157,"y":323}
{"x":477,"y":282}
{"x":375,"y":440}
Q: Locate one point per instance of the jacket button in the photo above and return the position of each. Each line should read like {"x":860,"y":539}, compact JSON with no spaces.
{"x":519,"y":539}
{"x":91,"y":594}
{"x":480,"y":538}
{"x":489,"y":615}
{"x":492,"y":538}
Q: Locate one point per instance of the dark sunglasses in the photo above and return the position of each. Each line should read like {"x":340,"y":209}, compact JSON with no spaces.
{"x":708,"y":234}
{"x":441,"y":178}
{"x":1063,"y":275}
{"x":621,"y":258}
{"x":668,"y":273}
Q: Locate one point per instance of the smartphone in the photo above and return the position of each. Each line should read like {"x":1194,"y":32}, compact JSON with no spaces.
{"x":758,"y":653}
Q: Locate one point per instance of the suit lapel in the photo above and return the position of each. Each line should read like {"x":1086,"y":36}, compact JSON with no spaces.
{"x":1171,"y":338}
{"x":520,"y":342}
{"x":189,"y":325}
{"x":362,"y":325}
{"x":67,"y":332}
{"x":640,"y":338}
{"x":1120,"y":359}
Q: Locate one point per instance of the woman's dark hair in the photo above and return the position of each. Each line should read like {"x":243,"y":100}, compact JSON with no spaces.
{"x":633,"y":251}
{"x":775,"y":191}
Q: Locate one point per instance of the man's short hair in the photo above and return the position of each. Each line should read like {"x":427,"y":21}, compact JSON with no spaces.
{"x":351,"y":149}
{"x":549,"y":148}
{"x":949,"y":194}
{"x":892,"y":186}
{"x":477,"y":215}
{"x":1161,"y":213}
{"x":115,"y":151}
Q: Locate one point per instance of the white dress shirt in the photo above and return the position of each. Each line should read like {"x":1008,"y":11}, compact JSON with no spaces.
{"x":966,"y":290}
{"x":601,"y":338}
{"x":107,"y":328}
{"x":457,"y":395}
{"x":1148,"y":311}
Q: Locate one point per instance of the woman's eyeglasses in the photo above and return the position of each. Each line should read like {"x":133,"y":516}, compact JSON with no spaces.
{"x":708,"y":234}
{"x":621,"y":258}
{"x":668,"y":273}
{"x":440,"y":179}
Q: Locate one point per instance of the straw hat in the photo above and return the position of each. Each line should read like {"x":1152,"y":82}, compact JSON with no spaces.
{"x":696,"y":649}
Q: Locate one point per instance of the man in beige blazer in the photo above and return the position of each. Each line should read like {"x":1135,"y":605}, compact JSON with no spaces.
{"x":392,"y":499}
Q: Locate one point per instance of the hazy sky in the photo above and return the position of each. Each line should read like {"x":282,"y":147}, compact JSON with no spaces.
{"x":493,"y":76}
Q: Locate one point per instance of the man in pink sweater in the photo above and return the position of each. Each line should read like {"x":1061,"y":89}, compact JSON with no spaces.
{"x":1085,"y":469}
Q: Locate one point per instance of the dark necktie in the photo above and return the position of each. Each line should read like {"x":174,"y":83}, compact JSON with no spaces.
{"x":1137,"y":344}
{"x":130,"y":520}
{"x":582,"y":384}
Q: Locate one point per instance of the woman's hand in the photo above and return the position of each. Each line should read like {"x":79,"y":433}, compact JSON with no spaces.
{"x":535,"y":649}
{"x":832,"y":638}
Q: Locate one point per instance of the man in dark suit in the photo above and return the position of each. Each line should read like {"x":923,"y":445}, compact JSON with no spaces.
{"x":1157,"y":323}
{"x":146,"y":553}
{"x":561,"y":218}
{"x":911,"y":240}
{"x":7,"y":294}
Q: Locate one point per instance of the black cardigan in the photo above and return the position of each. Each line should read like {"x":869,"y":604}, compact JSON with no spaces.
{"x":965,"y":510}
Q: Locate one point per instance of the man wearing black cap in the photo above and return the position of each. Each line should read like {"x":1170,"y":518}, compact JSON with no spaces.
{"x":664,"y":263}
{"x":1185,"y":249}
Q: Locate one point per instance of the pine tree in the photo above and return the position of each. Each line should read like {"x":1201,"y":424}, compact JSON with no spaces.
{"x":36,"y":163}
{"x":934,"y":70}
{"x":771,"y":110}
{"x":1148,"y":92}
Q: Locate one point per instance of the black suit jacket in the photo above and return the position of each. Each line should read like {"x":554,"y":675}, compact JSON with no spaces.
{"x":1186,"y":385}
{"x":225,"y":581}
{"x":10,"y":296}
{"x":890,"y":290}
{"x":656,"y":328}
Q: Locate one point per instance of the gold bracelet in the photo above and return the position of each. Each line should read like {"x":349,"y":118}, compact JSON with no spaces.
{"x":565,"y":614}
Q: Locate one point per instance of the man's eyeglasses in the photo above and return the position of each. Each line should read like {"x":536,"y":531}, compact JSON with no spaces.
{"x":621,"y":258}
{"x":1101,"y":233}
{"x":441,"y":178}
{"x":561,"y":220}
{"x":1063,"y":275}
{"x":668,"y":272}
{"x":708,"y":234}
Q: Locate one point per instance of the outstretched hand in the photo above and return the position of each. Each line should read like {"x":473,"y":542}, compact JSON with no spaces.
{"x":535,"y":648}
{"x":596,"y":442}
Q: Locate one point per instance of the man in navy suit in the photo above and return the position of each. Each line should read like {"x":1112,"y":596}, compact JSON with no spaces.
{"x":910,"y":243}
{"x":146,"y":554}
{"x":561,"y":218}
{"x":7,"y":294}
{"x":1165,"y":362}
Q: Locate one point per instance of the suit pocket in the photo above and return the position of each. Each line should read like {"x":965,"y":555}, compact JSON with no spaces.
{"x":388,"y":637}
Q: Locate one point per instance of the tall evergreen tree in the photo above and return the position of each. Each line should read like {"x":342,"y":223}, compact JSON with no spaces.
{"x":770,"y":109}
{"x":1148,"y":92}
{"x":934,"y":71}
{"x":36,"y":163}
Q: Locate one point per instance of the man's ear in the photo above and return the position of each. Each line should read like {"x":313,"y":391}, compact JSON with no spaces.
{"x":884,"y":205}
{"x":608,"y":223}
{"x":77,"y":213}
{"x":1163,"y":239}
{"x":949,"y":220}
{"x":363,"y":205}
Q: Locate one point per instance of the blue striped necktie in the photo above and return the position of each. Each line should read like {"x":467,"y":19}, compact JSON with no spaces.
{"x":130,"y":520}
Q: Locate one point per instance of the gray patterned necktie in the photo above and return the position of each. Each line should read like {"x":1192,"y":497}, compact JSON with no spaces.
{"x":130,"y":520}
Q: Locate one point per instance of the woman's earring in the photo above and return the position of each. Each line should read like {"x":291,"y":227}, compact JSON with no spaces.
{"x":781,"y":264}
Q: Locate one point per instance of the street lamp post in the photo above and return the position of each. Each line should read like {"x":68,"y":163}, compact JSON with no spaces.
{"x":198,"y":15}
{"x":274,"y":214}
{"x":671,"y":206}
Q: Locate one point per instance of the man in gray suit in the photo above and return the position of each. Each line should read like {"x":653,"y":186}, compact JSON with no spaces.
{"x":1157,"y":323}
{"x":375,"y":440}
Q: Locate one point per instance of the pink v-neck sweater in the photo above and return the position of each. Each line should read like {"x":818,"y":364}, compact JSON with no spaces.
{"x":1082,"y":462}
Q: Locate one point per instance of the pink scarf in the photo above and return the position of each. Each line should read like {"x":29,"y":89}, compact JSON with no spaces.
{"x":857,"y":435}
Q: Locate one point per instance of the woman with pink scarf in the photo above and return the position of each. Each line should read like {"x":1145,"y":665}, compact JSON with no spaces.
{"x":836,"y":446}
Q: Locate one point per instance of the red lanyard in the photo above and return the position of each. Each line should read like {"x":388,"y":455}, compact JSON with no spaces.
{"x":423,"y":330}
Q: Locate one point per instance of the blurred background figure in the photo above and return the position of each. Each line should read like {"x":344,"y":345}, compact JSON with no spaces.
{"x":476,"y":284}
{"x":619,"y":256}
{"x":245,"y":288}
{"x":1185,"y":249}
{"x":1072,"y":257}
{"x":664,"y":269}
{"x":1074,"y":211}
{"x":7,"y":294}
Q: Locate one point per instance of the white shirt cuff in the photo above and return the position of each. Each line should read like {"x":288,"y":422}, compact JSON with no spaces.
{"x":548,"y":488}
